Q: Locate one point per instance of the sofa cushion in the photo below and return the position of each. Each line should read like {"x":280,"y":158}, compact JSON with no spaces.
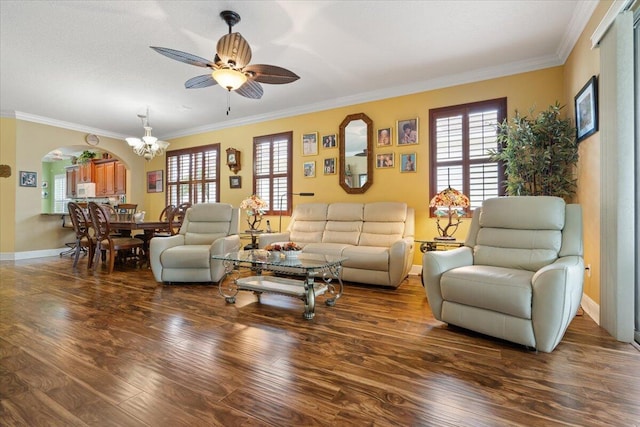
{"x":333,"y":249}
{"x":206,"y":222}
{"x":503,"y":290}
{"x":366,"y":257}
{"x":186,"y":256}
{"x":384,"y":223}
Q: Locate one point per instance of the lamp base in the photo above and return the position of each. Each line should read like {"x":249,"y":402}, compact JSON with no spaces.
{"x":444,"y":238}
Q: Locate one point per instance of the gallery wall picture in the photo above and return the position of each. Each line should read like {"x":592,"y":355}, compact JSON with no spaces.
{"x":408,"y":162}
{"x":309,"y":169}
{"x":310,"y":144}
{"x":329,"y":141}
{"x":408,"y":131}
{"x":235,"y":181}
{"x":28,"y":179}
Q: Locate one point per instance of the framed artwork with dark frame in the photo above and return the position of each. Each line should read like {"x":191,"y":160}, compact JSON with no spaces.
{"x":235,"y":181}
{"x":310,"y":144}
{"x":407,"y":131}
{"x":154,"y":182}
{"x":586,"y":105}
{"x":28,"y":179}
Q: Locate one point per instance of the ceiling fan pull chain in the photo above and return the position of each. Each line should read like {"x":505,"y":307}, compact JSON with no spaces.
{"x":228,"y":101}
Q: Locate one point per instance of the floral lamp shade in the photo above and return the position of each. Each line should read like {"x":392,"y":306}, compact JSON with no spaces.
{"x":449,"y":203}
{"x":255,"y":208}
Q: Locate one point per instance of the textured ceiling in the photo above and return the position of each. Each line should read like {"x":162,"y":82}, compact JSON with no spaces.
{"x":87,"y":65}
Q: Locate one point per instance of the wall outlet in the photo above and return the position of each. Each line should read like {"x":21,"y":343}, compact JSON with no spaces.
{"x":587,"y":268}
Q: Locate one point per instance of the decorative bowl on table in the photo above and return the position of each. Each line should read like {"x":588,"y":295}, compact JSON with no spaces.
{"x":288,"y":249}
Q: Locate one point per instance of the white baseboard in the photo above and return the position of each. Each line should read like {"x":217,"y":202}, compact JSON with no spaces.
{"x":591,"y":308}
{"x":416,"y":270}
{"x":14,"y":256}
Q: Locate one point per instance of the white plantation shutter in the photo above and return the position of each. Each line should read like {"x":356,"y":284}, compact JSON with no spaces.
{"x":460,"y":137}
{"x":193,"y":175}
{"x":272,"y":173}
{"x":60,"y":193}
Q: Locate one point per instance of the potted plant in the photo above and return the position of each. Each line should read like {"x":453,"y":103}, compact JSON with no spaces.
{"x":86,"y":157}
{"x":539,"y":153}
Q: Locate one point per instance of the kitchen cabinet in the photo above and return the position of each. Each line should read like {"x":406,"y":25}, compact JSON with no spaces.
{"x":85,"y":173}
{"x":72,"y":180}
{"x":105,"y":179}
{"x":120,"y":179}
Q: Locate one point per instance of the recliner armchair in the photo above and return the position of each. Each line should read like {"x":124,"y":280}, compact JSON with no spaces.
{"x":518,"y":277}
{"x":207,"y":229}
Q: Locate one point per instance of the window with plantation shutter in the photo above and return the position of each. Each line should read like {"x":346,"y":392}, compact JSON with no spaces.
{"x":193,"y":175}
{"x":272,"y":171}
{"x":460,"y":138}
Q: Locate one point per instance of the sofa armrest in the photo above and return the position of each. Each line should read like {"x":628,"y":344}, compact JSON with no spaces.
{"x":434,"y":265}
{"x":557,"y":292}
{"x":269,"y":238}
{"x":400,"y":258}
{"x":157,"y":246}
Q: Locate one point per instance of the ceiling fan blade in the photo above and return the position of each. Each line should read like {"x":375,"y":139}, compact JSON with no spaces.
{"x":185,"y":57}
{"x":250,"y":89}
{"x":198,"y":82}
{"x":235,"y":49}
{"x":271,"y":74}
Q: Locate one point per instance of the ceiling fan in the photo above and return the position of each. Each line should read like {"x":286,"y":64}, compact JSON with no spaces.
{"x":231,"y":68}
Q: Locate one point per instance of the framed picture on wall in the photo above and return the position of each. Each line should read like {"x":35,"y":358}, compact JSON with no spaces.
{"x":330,"y":166}
{"x":309,"y":169}
{"x":408,"y":162}
{"x":586,"y":103}
{"x":384,"y":137}
{"x":408,"y":131}
{"x":28,"y":179}
{"x":235,"y":181}
{"x":329,"y":141}
{"x":154,"y":182}
{"x":385,"y":160}
{"x":310,"y":144}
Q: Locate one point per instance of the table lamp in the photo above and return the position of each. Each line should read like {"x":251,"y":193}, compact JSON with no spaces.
{"x":449,"y":203}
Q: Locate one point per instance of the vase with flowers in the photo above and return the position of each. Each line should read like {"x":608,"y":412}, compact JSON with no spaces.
{"x":255,"y":208}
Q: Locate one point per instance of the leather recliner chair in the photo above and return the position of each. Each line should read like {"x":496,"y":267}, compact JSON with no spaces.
{"x":207,"y":229}
{"x":518,"y":277}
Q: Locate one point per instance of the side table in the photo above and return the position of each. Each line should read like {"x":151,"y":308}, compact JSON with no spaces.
{"x":439,"y":245}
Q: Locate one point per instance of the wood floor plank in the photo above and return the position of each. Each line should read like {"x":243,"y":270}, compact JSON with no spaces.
{"x":89,"y":348}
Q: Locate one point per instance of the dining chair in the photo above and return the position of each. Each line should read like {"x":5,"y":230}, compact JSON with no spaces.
{"x":178,"y":217}
{"x":106,"y":242}
{"x":84,"y":241}
{"x":126,"y":211}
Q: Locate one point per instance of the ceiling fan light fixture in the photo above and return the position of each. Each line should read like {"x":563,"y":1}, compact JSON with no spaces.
{"x":228,"y":78}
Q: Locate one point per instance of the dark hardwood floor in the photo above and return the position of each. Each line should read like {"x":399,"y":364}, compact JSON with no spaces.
{"x":84,"y":348}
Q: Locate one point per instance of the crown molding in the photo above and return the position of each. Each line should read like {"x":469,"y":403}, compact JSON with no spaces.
{"x":65,"y":125}
{"x":576,"y":26}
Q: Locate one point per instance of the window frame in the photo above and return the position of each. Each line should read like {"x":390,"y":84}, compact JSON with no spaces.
{"x":193,"y":151}
{"x":272,"y":200}
{"x":499,"y":104}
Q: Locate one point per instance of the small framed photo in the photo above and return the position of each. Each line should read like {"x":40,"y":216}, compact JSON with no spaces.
{"x":310,"y":144}
{"x":385,"y":160}
{"x":330,"y":166}
{"x":330,"y":141}
{"x":408,"y":131}
{"x":309,"y":169}
{"x":28,"y":179}
{"x":154,"y":182}
{"x":235,"y":181}
{"x":586,"y":102}
{"x":408,"y":162}
{"x":385,"y":137}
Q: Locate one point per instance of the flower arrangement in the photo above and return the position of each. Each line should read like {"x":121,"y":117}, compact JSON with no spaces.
{"x":255,"y":207}
{"x":289,"y":246}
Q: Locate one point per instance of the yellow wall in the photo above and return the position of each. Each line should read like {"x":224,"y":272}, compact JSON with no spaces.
{"x":8,"y":185}
{"x":539,"y":88}
{"x":584,"y":62}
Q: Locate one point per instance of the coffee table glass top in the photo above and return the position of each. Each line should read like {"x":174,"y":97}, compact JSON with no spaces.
{"x":266,"y":259}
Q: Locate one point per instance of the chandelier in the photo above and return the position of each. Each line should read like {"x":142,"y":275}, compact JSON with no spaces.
{"x":149,"y":146}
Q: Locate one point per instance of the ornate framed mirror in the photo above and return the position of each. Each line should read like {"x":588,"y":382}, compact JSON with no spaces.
{"x":356,"y":153}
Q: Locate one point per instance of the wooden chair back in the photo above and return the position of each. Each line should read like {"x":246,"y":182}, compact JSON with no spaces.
{"x":178,"y":217}
{"x":81,"y":228}
{"x":126,"y":211}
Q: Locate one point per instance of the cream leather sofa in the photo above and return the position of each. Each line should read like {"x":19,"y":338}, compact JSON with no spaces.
{"x":376,"y":238}
{"x":519,"y":276}
{"x":207,"y":229}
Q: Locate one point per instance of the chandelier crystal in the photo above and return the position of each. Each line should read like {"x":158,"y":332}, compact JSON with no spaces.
{"x":149,"y":146}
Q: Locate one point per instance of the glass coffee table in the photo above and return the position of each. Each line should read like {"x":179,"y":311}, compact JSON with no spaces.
{"x":293,"y":275}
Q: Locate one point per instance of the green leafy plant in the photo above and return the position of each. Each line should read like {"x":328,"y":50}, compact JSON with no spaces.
{"x":86,"y":156}
{"x":540,"y":154}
